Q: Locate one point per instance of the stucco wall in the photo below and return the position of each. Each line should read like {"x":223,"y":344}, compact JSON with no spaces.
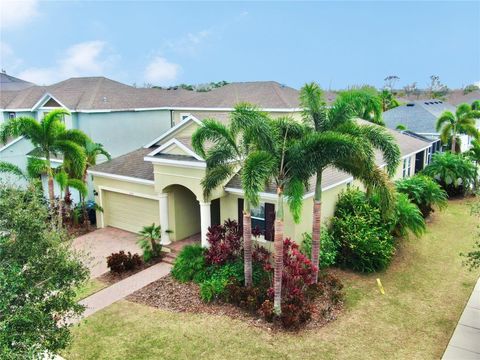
{"x":184,"y":212}
{"x":123,"y":131}
{"x":16,"y":154}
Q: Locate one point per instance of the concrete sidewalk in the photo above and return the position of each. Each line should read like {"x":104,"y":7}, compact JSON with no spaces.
{"x":121,"y":289}
{"x":465,"y":341}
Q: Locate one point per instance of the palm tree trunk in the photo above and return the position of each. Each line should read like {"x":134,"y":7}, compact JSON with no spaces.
{"x":454,"y":143}
{"x":317,"y":224}
{"x":60,"y":212}
{"x":247,"y":245}
{"x":51,"y":192}
{"x":278,"y":266}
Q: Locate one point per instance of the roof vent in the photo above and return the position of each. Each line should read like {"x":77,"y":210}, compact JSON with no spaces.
{"x":410,"y":104}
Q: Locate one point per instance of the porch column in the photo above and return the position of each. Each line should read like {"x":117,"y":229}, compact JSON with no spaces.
{"x":204,"y":221}
{"x":163,"y":201}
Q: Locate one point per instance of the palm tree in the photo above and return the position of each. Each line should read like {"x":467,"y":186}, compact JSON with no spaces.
{"x":341,"y":142}
{"x":365,"y":103}
{"x":51,"y":137}
{"x":462,"y":122}
{"x":474,"y":154}
{"x":63,"y":182}
{"x":272,"y":163}
{"x":388,"y":100}
{"x":225,"y":148}
{"x":149,"y":241}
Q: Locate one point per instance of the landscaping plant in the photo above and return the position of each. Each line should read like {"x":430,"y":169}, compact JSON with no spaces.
{"x":328,"y":245}
{"x":473,"y":257}
{"x":225,"y":243}
{"x":190,"y":264}
{"x":424,"y":192}
{"x":120,"y":262}
{"x":454,"y":172}
{"x":39,"y":276}
{"x":150,"y":242}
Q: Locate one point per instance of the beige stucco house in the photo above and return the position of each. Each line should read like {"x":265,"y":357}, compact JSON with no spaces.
{"x":160,"y":183}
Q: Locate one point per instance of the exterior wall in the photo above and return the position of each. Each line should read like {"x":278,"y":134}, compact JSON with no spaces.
{"x":399,"y":174}
{"x":176,"y":114}
{"x":123,"y":131}
{"x":16,"y":154}
{"x":184,"y":213}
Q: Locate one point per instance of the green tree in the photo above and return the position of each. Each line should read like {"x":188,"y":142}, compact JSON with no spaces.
{"x":476,"y":105}
{"x":364,"y":102}
{"x":51,"y":137}
{"x":388,"y":100}
{"x":149,"y":241}
{"x":341,"y":142}
{"x":39,"y":275}
{"x":462,"y":122}
{"x":64,"y":181}
{"x":225,"y":148}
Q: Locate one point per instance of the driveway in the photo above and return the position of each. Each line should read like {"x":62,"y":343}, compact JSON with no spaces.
{"x":100,"y":243}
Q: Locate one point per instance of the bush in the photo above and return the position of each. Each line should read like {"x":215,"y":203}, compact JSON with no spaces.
{"x":406,"y":216}
{"x":149,"y":242}
{"x":454,"y":172}
{"x":212,"y":289}
{"x":424,"y":192}
{"x":190,"y":265}
{"x":363,"y":235}
{"x":328,"y":248}
{"x":225,"y":243}
{"x":120,"y":262}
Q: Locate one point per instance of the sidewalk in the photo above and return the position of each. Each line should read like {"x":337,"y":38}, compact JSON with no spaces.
{"x":465,"y":341}
{"x":121,"y":289}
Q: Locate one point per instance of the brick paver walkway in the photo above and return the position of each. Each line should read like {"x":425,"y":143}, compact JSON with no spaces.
{"x":465,"y":341}
{"x":121,"y":289}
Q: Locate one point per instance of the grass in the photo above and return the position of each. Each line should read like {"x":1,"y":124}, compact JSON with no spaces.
{"x":90,"y":287}
{"x":426,"y":290}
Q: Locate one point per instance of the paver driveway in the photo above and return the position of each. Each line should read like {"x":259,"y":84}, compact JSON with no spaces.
{"x":100,"y":243}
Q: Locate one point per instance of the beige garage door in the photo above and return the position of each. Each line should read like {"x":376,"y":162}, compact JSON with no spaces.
{"x":129,"y":212}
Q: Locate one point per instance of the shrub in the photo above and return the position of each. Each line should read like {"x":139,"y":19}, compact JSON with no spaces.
{"x":249,"y":298}
{"x":150,"y":242}
{"x":212,"y":289}
{"x":190,"y":264}
{"x":406,"y":216}
{"x":120,"y":262}
{"x":328,"y":248}
{"x":472,"y":258}
{"x":363,"y":235}
{"x":454,"y":172}
{"x":424,"y":192}
{"x":225,"y":243}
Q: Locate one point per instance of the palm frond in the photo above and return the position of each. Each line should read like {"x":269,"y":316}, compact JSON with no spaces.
{"x":312,"y":101}
{"x":294,"y":191}
{"x":212,"y":131}
{"x":77,"y":136}
{"x":9,"y":168}
{"x":36,"y":167}
{"x":256,"y":172}
{"x":75,"y":154}
{"x":215,"y":177}
{"x":78,"y":185}
{"x":447,"y":117}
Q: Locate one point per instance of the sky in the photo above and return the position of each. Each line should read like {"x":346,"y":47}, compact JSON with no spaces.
{"x":337,"y":44}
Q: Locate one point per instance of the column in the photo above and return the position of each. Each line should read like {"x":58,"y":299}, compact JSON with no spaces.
{"x":204,"y":221}
{"x":163,"y":201}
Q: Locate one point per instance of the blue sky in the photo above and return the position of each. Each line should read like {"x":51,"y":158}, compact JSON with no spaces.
{"x":337,"y":44}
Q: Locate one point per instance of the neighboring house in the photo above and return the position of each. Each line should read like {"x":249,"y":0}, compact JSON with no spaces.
{"x":11,"y":83}
{"x":161,"y":183}
{"x":420,"y":117}
{"x":122,"y":117}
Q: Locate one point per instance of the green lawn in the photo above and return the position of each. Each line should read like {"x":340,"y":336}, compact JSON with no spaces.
{"x":91,"y":287}
{"x":426,"y":290}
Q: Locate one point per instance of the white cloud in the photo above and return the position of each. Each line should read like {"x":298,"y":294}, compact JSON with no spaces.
{"x":83,"y":59}
{"x":478,"y":83}
{"x":15,"y":13}
{"x":188,"y":44}
{"x":161,"y":72}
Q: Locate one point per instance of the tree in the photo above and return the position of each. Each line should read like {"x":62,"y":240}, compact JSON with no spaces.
{"x":364,"y":102}
{"x":228,"y":147}
{"x":38,"y":278}
{"x":436,"y":88}
{"x":278,"y":162}
{"x":388,"y":100}
{"x":51,"y":137}
{"x":390,"y":82}
{"x":462,"y":122}
{"x":476,"y":105}
{"x":149,"y":241}
{"x":474,"y":154}
{"x":64,"y":181}
{"x":339,"y":141}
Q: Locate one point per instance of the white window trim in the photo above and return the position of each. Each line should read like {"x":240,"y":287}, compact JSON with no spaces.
{"x":178,"y":163}
{"x":173,"y":129}
{"x":174,"y":141}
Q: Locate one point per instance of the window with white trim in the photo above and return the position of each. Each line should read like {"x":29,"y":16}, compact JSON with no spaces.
{"x":258,"y":217}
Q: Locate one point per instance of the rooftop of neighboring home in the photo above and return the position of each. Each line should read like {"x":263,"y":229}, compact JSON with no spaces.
{"x":134,"y":165}
{"x":11,"y":83}
{"x":102,"y":94}
{"x":418,"y":116}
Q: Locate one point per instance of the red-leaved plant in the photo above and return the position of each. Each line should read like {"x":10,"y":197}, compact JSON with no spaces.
{"x":225,"y":243}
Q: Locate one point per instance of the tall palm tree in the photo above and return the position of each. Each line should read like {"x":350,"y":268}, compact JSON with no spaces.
{"x":388,"y":100}
{"x":63,"y":182}
{"x":225,"y":148}
{"x":365,"y":103}
{"x":51,"y":137}
{"x":341,"y":142}
{"x":451,"y":125}
{"x":474,"y":154}
{"x":272,"y":163}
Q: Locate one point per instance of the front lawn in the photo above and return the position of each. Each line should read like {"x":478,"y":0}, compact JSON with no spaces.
{"x":426,"y":290}
{"x":89,"y":288}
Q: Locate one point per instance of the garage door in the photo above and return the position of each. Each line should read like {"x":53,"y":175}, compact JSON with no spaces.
{"x":129,"y":212}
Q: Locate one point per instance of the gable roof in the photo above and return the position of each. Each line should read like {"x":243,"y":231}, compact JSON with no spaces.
{"x":103,"y":94}
{"x":418,"y":116}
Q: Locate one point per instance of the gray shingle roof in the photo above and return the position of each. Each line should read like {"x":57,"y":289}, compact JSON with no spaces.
{"x":100,"y":93}
{"x":11,"y":83}
{"x":418,"y":116}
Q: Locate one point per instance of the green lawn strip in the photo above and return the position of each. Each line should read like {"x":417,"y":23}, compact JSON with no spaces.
{"x":426,"y":291}
{"x":90,"y":288}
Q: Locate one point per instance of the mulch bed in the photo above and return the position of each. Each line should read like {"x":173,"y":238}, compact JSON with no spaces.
{"x":169,"y":294}
{"x":111,"y":278}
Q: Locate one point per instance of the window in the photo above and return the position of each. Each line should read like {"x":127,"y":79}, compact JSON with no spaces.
{"x":258,"y":218}
{"x":12,"y":115}
{"x":429,"y":155}
{"x":407,"y":164}
{"x":184,"y":116}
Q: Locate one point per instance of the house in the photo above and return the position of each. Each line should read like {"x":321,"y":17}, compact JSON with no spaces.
{"x":161,"y":183}
{"x":420,"y":117}
{"x":123,"y":118}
